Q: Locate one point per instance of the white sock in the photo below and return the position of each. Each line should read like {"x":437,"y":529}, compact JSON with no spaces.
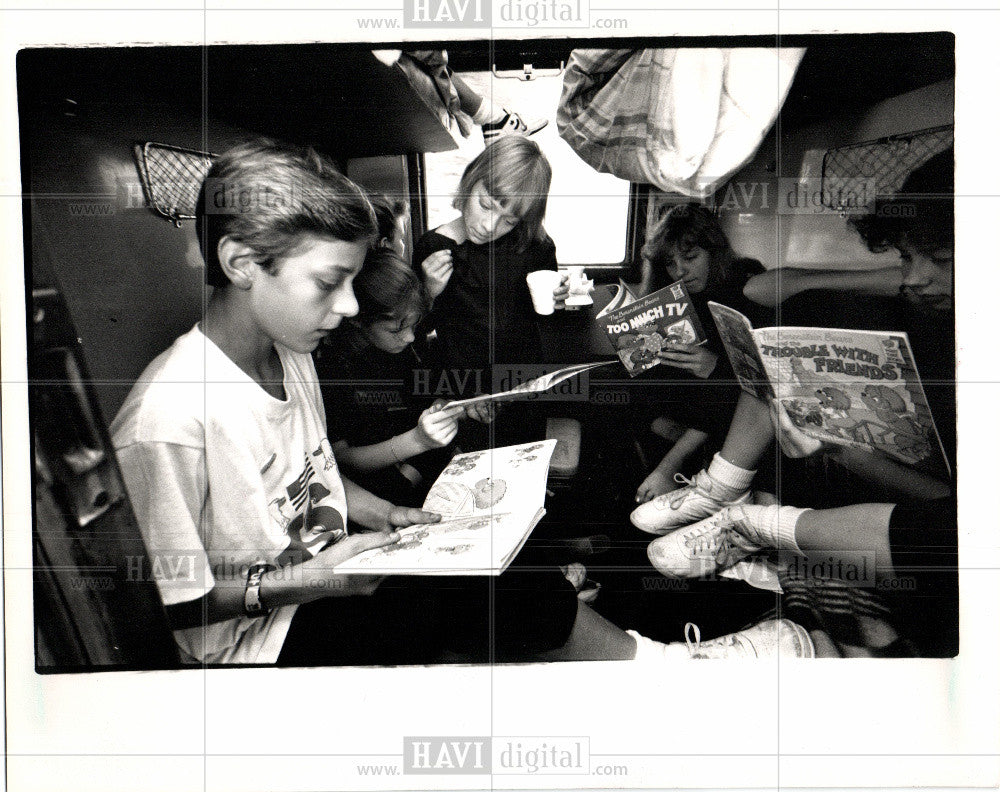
{"x":648,"y":650}
{"x":775,"y":524}
{"x":489,"y":113}
{"x":729,"y":475}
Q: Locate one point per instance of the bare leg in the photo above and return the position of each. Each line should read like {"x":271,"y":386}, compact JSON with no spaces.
{"x":849,"y":529}
{"x":468,"y":99}
{"x":593,"y":638}
{"x":750,"y":433}
{"x":725,"y":482}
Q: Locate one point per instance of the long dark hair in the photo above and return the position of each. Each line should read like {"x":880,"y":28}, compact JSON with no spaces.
{"x":681,"y":229}
{"x":921,"y":213}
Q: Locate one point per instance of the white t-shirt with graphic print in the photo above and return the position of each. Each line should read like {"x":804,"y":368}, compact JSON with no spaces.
{"x":219,"y":472}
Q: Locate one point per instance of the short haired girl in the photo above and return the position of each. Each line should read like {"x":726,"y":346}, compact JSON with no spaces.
{"x":474,"y":266}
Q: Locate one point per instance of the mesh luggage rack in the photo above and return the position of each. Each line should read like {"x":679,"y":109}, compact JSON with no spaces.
{"x":886,"y":161}
{"x":171,"y":178}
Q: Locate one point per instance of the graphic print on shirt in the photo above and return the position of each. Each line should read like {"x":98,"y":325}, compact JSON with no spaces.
{"x":325,"y":450}
{"x":325,"y":524}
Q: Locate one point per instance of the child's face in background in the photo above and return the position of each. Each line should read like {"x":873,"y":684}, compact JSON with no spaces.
{"x":485,"y":219}
{"x":308,"y":292}
{"x":391,"y":335}
{"x":927,"y":276}
{"x":691,"y":266}
{"x":397,"y":242}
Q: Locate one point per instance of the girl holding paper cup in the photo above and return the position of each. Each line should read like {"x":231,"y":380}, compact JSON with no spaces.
{"x":476,"y":267}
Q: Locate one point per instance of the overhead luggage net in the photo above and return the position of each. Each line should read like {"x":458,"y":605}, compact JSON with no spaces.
{"x":882,"y":164}
{"x":171,"y":178}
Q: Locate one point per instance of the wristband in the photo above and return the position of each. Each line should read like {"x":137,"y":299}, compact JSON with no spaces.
{"x":253,"y":605}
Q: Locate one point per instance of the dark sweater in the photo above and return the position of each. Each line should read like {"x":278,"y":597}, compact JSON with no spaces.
{"x":484,"y":315}
{"x":708,"y":404}
{"x":370,"y":396}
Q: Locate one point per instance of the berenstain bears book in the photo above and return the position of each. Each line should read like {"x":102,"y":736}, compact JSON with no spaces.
{"x":489,"y":502}
{"x":639,"y":328}
{"x":850,"y":387}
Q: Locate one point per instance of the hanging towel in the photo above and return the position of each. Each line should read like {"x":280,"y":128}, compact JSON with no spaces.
{"x":684,"y":120}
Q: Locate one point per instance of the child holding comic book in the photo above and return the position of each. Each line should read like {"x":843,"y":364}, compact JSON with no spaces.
{"x":688,"y":244}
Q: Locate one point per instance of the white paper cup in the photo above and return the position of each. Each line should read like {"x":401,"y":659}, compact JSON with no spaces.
{"x":542,"y":283}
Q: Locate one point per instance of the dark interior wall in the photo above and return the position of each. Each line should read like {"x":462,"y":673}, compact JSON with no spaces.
{"x":132,"y":280}
{"x":767,"y":225}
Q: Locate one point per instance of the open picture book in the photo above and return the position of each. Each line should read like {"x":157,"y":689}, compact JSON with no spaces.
{"x":489,"y":502}
{"x":850,"y":387}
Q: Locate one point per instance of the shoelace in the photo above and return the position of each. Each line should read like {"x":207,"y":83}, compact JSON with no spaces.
{"x":698,"y":536}
{"x":676,"y":498}
{"x":693,"y":645}
{"x":692,"y":637}
{"x":718,"y":546}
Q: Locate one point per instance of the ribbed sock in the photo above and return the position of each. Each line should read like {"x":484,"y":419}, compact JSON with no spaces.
{"x":729,"y":475}
{"x":772,"y":526}
{"x":648,"y":650}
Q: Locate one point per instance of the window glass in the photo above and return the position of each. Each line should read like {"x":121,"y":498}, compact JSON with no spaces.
{"x":587,"y":211}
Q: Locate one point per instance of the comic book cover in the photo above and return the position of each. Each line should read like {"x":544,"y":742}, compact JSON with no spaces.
{"x":639,"y":330}
{"x":489,"y":502}
{"x":737,"y":336}
{"x":850,"y":387}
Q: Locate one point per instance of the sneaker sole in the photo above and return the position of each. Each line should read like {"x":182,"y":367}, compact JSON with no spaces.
{"x":808,"y":648}
{"x":657,"y":529}
{"x":490,"y":136}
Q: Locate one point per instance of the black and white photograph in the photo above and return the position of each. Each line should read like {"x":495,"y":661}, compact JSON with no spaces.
{"x":498,"y":395}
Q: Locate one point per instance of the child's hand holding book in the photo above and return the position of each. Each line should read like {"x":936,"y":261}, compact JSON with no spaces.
{"x":795,"y":443}
{"x":484,"y":411}
{"x":694,"y":358}
{"x":320,"y":573}
{"x":437,"y":425}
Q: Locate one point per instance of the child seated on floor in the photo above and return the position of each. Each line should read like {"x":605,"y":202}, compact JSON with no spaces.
{"x":688,"y":244}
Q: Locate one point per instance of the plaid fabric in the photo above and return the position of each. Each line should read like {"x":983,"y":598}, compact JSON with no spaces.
{"x":684,"y":120}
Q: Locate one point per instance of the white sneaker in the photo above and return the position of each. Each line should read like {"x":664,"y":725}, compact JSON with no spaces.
{"x":702,"y":549}
{"x":772,"y":638}
{"x":702,"y":497}
{"x":512,"y":124}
